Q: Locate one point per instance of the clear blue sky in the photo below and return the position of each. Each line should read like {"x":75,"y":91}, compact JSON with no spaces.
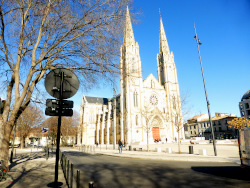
{"x":223,"y":27}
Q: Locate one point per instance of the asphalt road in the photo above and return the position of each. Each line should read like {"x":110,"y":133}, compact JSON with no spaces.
{"x":112,"y":172}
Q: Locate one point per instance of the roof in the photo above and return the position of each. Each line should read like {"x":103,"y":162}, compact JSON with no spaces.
{"x":196,"y":117}
{"x":218,"y":118}
{"x":194,"y":120}
{"x":246,"y":95}
{"x":97,"y":100}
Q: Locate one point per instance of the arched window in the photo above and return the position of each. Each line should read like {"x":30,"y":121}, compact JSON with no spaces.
{"x":152,"y":84}
{"x":136,"y":120}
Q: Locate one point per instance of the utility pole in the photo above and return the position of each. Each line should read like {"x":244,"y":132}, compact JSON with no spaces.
{"x":208,"y":108}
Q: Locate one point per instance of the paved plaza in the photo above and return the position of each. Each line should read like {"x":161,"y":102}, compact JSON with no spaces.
{"x":30,"y":167}
{"x":227,"y":151}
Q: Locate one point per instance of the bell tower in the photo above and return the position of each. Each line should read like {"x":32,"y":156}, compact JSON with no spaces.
{"x":167,"y":76}
{"x":130,"y":81}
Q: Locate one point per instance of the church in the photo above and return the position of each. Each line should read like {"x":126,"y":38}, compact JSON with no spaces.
{"x":145,"y":111}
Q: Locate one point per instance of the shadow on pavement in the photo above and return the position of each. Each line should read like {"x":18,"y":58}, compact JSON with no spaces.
{"x":111,"y":171}
{"x":21,"y":158}
{"x":232,"y":172}
{"x":17,"y":172}
{"x":76,"y":153}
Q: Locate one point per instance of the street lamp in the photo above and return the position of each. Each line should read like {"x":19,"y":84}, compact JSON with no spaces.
{"x":208,"y":108}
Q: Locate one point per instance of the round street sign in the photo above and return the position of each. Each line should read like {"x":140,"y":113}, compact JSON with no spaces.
{"x":54,"y":81}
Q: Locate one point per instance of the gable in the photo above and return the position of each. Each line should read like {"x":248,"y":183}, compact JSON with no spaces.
{"x":152,"y":82}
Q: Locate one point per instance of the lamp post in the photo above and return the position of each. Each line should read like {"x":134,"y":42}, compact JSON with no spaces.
{"x":208,"y":108}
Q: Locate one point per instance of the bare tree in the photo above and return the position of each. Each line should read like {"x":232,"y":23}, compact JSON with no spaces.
{"x":185,"y":106}
{"x":177,"y":120}
{"x":38,"y":35}
{"x":69,"y":127}
{"x":52,"y":124}
{"x":147,"y":115}
{"x":31,"y":117}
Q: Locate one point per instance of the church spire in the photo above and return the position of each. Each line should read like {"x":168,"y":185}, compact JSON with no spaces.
{"x":129,"y":34}
{"x":163,"y":39}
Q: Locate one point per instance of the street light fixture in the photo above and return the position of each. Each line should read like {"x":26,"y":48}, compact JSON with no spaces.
{"x":208,"y":108}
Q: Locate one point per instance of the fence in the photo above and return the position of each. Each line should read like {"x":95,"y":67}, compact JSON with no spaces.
{"x":68,"y":171}
{"x":72,"y":179}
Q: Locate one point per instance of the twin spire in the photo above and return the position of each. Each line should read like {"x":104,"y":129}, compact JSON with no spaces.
{"x":129,"y":38}
{"x":163,"y":39}
{"x":129,"y":34}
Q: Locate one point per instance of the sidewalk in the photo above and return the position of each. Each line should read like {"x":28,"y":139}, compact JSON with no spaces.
{"x":225,"y":153}
{"x":31,"y":169}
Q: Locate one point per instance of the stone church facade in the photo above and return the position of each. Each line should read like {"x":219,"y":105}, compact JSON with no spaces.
{"x":145,"y":110}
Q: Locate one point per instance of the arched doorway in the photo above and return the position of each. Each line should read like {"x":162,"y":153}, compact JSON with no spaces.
{"x":156,"y":125}
{"x":156,"y":133}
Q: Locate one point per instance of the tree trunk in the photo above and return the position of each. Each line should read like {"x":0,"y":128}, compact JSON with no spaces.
{"x":179,"y":142}
{"x":23,"y":142}
{"x":147,"y":142}
{"x":5,"y":132}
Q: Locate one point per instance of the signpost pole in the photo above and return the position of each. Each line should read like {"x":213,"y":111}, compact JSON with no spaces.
{"x":59,"y":129}
{"x":64,"y":87}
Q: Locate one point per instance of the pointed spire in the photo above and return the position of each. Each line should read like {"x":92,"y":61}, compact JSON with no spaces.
{"x":163,"y":39}
{"x":129,"y":34}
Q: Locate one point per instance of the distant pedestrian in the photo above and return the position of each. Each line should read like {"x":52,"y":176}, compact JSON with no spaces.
{"x":120,"y":146}
{"x":166,"y":140}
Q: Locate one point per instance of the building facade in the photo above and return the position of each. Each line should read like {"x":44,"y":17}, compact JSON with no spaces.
{"x":245,"y":105}
{"x":147,"y":109}
{"x":199,"y":126}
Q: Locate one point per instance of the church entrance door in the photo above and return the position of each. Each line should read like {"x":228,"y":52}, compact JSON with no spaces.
{"x":156,"y":133}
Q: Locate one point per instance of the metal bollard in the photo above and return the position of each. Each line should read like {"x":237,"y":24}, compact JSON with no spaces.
{"x":191,"y":150}
{"x":67,"y":177}
{"x":91,"y":184}
{"x":48,"y":152}
{"x":130,"y":148}
{"x":62,"y":160}
{"x":65,"y":165}
{"x":71,"y":175}
{"x":78,"y":179}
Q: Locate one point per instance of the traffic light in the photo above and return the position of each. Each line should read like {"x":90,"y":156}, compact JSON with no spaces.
{"x":53,"y":107}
